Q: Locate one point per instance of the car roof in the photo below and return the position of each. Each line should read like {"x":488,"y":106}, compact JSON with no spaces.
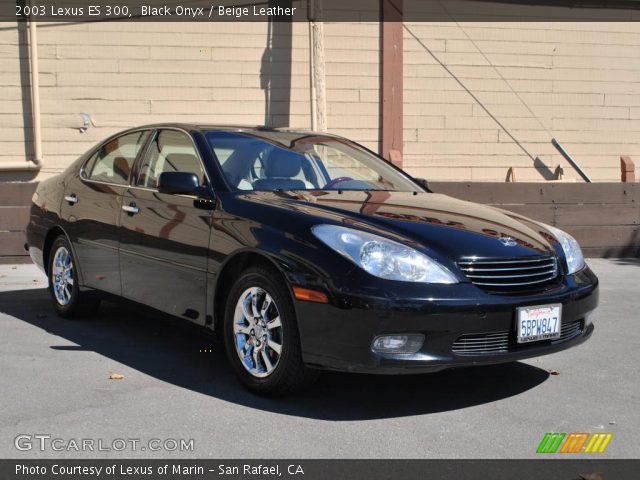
{"x":233,"y":128}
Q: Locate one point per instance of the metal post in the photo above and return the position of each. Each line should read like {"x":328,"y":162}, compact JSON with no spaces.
{"x":573,"y":163}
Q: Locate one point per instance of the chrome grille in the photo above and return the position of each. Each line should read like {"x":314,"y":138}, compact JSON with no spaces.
{"x":508,"y":274}
{"x":482,"y":343}
{"x":568,"y":331}
{"x":505,"y":341}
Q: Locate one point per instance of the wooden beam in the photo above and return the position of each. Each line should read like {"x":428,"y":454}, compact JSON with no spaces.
{"x":392,"y":71}
{"x":628,"y":169}
{"x":317,"y":63}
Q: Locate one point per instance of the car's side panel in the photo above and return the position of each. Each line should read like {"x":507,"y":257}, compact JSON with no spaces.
{"x":163,"y":253}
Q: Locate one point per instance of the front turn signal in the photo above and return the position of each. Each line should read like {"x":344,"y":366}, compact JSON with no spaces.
{"x":310,"y":295}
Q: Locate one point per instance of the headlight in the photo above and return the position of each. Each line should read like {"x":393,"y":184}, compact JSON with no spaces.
{"x":572,"y":251}
{"x":382,"y":257}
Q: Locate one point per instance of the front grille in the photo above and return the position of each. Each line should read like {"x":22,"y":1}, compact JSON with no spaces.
{"x":482,"y":343}
{"x":510,"y":274}
{"x":505,"y":341}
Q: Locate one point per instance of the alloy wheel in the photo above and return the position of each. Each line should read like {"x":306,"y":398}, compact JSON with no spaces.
{"x":62,"y":276}
{"x":258,"y":334}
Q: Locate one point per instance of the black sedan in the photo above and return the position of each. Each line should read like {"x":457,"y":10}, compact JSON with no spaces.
{"x":305,"y":251}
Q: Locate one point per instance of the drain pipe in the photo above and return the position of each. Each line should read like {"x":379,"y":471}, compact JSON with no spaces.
{"x":36,"y":163}
{"x":35,"y":94}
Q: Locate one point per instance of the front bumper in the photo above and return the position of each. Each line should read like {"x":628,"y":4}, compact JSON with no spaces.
{"x":338,"y":335}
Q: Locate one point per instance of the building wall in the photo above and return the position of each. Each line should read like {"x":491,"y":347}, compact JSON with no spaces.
{"x":126,"y":74}
{"x":577,"y":82}
{"x":581,"y":82}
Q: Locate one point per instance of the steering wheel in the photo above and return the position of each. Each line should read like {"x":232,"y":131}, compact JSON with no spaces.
{"x":335,"y":181}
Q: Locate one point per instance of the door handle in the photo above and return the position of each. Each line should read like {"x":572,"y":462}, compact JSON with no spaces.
{"x":72,"y":199}
{"x":131,"y":209}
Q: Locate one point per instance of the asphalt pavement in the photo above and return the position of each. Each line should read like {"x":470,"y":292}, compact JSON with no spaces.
{"x":176,"y":387}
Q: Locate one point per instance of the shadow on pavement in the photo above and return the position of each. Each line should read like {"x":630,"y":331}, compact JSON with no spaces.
{"x":627,"y":261}
{"x":171,"y":352}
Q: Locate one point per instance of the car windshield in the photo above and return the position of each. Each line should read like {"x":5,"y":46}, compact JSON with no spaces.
{"x":269,"y":161}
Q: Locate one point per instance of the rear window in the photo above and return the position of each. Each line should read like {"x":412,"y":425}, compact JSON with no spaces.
{"x":113,"y":162}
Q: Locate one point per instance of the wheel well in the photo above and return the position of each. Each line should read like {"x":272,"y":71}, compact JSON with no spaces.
{"x":231,"y":270}
{"x":52,"y":234}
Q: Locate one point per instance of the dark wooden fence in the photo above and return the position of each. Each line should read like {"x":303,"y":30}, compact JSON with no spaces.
{"x":15,"y":199}
{"x":604,"y":217}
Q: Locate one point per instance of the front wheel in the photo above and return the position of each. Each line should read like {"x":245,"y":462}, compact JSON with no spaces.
{"x":68,"y":300}
{"x":261,"y":335}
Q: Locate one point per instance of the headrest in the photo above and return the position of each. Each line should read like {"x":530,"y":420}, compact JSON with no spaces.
{"x":121,"y":167}
{"x":283,"y":163}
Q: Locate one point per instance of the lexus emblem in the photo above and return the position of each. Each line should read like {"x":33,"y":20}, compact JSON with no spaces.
{"x":508,"y":241}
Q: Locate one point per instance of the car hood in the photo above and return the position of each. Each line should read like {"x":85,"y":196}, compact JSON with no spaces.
{"x":444,"y":224}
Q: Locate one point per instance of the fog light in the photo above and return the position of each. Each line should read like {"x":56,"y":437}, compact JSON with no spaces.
{"x":398,"y":343}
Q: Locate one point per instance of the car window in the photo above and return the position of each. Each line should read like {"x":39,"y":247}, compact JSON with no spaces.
{"x":272,"y":160}
{"x":113,"y":162}
{"x":339,"y":164}
{"x":169,"y":151}
{"x":241,"y":162}
{"x":248,"y":162}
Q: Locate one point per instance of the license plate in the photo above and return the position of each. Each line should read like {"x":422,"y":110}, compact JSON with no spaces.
{"x":539,"y":322}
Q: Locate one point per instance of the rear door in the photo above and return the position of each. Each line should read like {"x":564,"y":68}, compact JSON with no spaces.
{"x":91,"y":209}
{"x":165,"y":238}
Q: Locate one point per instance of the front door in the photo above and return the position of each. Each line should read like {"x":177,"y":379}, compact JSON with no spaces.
{"x":164,"y":239}
{"x":91,"y":209}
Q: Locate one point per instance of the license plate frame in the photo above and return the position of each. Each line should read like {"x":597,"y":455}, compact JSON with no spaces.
{"x":542,"y":312}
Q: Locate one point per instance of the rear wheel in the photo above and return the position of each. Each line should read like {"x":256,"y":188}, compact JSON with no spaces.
{"x":64,"y":288}
{"x":261,"y":335}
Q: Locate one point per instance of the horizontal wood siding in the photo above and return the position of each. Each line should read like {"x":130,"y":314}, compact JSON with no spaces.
{"x":577,"y":81}
{"x":125,"y":74}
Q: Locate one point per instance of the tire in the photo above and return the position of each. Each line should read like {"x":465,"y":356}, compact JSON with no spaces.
{"x":64,"y":287}
{"x":252,"y":344}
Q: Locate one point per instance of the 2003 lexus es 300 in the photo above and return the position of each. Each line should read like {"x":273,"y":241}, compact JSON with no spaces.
{"x":305,"y":251}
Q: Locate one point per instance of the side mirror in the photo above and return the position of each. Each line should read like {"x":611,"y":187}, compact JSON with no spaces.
{"x":424,"y":184}
{"x":178,"y":183}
